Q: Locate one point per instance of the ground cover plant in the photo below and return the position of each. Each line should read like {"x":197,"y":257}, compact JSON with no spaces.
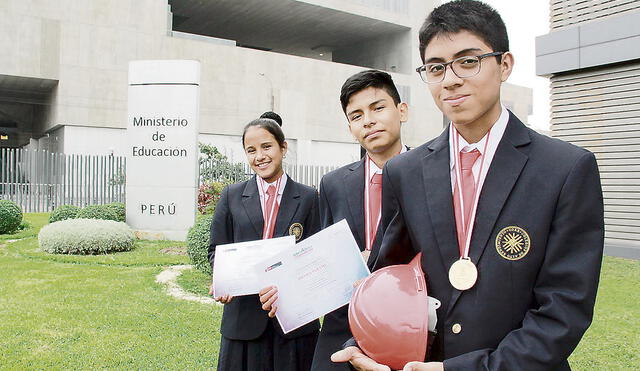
{"x":107,"y":311}
{"x":86,"y":237}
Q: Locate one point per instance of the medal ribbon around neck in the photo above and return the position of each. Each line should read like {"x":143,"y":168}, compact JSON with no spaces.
{"x":463,"y":274}
{"x":269,"y":215}
{"x":369,"y":233}
{"x":467,"y":225}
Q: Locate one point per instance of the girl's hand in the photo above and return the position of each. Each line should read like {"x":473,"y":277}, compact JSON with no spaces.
{"x":224,"y":299}
{"x":268,"y":296}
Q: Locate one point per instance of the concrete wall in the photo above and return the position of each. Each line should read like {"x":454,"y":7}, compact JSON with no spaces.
{"x":86,"y":47}
{"x":592,"y":58}
{"x":392,"y":11}
{"x":518,"y":99}
{"x":391,"y":53}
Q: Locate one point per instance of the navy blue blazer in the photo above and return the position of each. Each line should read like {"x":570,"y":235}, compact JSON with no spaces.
{"x":341,"y":197}
{"x":238,"y":218}
{"x":531,"y":305}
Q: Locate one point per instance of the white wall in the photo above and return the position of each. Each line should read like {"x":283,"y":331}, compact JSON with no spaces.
{"x":94,"y":141}
{"x":87,"y":45}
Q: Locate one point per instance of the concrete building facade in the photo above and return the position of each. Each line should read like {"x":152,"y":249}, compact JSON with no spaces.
{"x":63,"y":77}
{"x":592,"y":58}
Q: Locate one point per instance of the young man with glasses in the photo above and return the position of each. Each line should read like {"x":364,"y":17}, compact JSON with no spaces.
{"x":509,"y":222}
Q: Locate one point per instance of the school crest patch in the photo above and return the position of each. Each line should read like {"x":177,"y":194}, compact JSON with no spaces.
{"x":296,"y":230}
{"x":513,"y":243}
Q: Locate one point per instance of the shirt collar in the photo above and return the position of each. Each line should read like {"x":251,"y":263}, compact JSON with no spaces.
{"x":497,"y":129}
{"x":266,"y":185}
{"x":374,"y":169}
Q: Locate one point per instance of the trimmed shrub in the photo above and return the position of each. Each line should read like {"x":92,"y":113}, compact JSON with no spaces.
{"x":86,"y":237}
{"x":97,"y":212}
{"x":198,"y":243}
{"x":64,"y":212}
{"x":119,"y":210}
{"x":24,"y":224}
{"x":10,"y":216}
{"x":208,"y":196}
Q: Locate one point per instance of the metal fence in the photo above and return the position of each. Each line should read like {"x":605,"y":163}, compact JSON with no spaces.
{"x":214,"y":170}
{"x":39,"y":180}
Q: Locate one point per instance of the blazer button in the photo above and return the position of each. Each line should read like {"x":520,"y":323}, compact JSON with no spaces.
{"x":456,"y":328}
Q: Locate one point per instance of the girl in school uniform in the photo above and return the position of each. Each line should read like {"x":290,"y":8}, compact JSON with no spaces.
{"x":268,"y":205}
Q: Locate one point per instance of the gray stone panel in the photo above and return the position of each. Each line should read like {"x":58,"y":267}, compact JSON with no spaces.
{"x":565,"y":39}
{"x":566,"y":60}
{"x":610,"y":52}
{"x":595,"y":43}
{"x":616,"y":28}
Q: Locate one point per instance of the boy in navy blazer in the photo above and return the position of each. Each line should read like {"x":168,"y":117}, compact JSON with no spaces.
{"x":375,"y":113}
{"x":534,"y":231}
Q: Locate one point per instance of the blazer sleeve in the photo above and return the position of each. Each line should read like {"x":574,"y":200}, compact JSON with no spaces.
{"x":326,"y":217}
{"x":221,"y":225}
{"x":566,"y":286}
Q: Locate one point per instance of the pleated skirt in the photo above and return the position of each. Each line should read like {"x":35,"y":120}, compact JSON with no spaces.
{"x":270,"y":352}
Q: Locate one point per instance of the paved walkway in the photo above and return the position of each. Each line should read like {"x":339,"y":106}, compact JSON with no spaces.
{"x":627,"y":252}
{"x":168,"y":278}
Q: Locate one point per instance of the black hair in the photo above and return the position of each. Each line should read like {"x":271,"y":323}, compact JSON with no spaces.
{"x":365,"y":79}
{"x":465,"y":15}
{"x":269,"y":125}
{"x":272,"y":115}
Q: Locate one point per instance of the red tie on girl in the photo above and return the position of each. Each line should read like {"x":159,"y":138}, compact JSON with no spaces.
{"x":468,"y":185}
{"x":375,"y":204}
{"x":270,"y":212}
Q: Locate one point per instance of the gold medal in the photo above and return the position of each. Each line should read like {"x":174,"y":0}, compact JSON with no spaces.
{"x":463,"y":274}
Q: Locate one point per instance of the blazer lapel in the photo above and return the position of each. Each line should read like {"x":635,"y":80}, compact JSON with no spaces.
{"x":505,"y":169}
{"x":436,"y":174}
{"x":288,"y":207}
{"x":251,"y":203}
{"x":354,"y":185}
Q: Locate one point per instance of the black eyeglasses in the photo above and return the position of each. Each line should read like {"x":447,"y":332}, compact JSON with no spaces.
{"x":468,"y":66}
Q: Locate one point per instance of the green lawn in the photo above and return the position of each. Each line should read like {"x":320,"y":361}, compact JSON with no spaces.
{"x":106,"y":311}
{"x":195,"y":282}
{"x":613,"y":340}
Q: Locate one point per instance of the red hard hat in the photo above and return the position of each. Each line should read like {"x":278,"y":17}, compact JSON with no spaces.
{"x":388,"y":314}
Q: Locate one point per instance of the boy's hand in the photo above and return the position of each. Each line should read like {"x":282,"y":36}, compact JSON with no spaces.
{"x":358,"y":360}
{"x":421,"y":366}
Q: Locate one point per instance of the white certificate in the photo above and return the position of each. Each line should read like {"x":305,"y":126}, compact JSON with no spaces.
{"x":316,"y":276}
{"x":233,"y":266}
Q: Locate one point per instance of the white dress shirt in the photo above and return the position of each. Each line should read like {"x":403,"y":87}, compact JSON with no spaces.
{"x":495,"y":135}
{"x":263,"y":186}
